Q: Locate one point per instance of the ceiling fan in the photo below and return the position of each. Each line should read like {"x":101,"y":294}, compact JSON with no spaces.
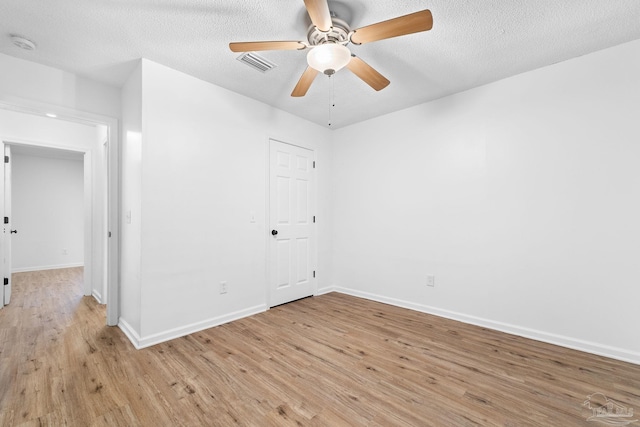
{"x":328,"y":37}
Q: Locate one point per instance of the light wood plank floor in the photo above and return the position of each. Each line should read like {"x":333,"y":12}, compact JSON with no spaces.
{"x":331,"y":360}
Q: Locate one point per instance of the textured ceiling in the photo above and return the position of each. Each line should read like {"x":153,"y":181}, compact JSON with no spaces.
{"x":472,"y":43}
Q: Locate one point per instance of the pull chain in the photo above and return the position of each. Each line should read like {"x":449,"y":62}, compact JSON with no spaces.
{"x":331,"y":99}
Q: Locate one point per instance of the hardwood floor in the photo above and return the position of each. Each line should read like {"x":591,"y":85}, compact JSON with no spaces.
{"x":331,"y":360}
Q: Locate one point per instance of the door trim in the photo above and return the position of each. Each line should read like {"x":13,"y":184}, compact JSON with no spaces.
{"x":5,"y":240}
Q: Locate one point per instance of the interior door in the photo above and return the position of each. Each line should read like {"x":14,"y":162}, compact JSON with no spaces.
{"x":291,"y":216}
{"x":6,"y":235}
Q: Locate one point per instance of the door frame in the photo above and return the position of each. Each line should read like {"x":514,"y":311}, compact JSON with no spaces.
{"x":104,"y":184}
{"x":112,"y":177}
{"x":267,"y":226}
{"x":5,"y":238}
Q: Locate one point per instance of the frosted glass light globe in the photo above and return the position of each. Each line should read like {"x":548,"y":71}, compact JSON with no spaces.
{"x":328,"y":58}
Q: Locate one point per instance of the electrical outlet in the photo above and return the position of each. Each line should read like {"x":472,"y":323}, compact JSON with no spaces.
{"x":223,"y":287}
{"x":65,"y":252}
{"x":431,"y":281}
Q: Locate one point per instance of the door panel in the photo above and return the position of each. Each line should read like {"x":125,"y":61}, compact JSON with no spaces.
{"x":291,"y":195}
{"x":283,"y":200}
{"x":303,"y":201}
{"x":283,"y":255}
{"x":303,"y":260}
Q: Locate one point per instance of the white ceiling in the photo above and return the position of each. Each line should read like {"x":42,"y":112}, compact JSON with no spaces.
{"x":51,"y":153}
{"x":472,"y":43}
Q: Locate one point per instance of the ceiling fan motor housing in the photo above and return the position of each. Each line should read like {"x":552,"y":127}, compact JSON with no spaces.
{"x":339,"y":33}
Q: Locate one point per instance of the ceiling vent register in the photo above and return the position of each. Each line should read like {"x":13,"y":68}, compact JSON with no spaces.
{"x":256,"y":62}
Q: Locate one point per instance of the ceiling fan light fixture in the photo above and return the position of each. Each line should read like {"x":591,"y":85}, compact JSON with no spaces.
{"x":328,"y":58}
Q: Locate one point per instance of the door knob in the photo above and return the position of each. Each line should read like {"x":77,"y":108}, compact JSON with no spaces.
{"x":274,"y":232}
{"x":14,"y":231}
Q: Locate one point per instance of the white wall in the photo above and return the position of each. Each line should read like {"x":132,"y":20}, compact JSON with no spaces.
{"x":131,"y":169}
{"x":48,"y":213}
{"x":43,"y":130}
{"x":204,"y":169}
{"x":27,"y":81}
{"x":521,"y":197}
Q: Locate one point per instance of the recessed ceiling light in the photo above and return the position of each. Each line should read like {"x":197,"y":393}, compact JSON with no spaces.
{"x":23,"y":43}
{"x":53,"y":116}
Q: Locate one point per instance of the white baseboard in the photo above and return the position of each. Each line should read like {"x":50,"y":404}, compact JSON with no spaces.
{"x":129,"y":332}
{"x":142,"y":342}
{"x":98,"y":296}
{"x":325,"y":290}
{"x":46,"y":267}
{"x":563,"y":341}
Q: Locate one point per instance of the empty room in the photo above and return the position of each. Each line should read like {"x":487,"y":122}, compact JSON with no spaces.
{"x":322,"y":213}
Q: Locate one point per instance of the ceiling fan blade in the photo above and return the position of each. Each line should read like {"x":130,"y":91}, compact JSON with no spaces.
{"x":256,"y":46}
{"x":367,"y":73}
{"x":319,"y":13}
{"x":400,"y":26}
{"x":305,"y":82}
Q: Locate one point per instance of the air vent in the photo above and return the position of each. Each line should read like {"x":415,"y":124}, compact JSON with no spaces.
{"x":256,"y":62}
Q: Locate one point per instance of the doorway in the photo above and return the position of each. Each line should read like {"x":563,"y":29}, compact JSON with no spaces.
{"x":31,"y":129}
{"x":292,"y":235}
{"x":46,"y":209}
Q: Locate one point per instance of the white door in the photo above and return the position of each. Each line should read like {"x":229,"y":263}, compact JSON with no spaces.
{"x":291,"y":217}
{"x":6,"y":235}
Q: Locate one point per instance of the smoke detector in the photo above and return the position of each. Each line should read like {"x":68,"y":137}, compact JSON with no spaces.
{"x":23,"y":43}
